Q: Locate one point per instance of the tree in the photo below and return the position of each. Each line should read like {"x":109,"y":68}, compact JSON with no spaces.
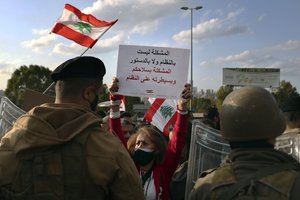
{"x":34,"y":77}
{"x":202,"y":104}
{"x":222,"y":93}
{"x":285,"y":91}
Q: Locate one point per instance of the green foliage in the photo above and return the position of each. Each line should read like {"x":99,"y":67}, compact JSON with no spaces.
{"x":202,"y":104}
{"x":34,"y":77}
{"x":285,"y":91}
{"x":222,"y":94}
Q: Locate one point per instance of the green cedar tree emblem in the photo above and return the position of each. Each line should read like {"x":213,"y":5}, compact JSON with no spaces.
{"x":166,"y":111}
{"x":81,"y":26}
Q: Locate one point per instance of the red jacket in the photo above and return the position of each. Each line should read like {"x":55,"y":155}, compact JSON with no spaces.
{"x":163,"y":172}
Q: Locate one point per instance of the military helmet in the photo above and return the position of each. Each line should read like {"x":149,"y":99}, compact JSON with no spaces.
{"x":250,"y":113}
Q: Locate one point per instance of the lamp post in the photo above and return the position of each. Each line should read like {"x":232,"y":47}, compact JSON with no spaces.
{"x":191,"y":9}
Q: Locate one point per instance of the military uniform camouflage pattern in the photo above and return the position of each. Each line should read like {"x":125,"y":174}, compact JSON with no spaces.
{"x":239,"y":164}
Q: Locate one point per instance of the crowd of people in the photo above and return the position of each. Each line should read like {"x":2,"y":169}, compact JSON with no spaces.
{"x":64,"y":150}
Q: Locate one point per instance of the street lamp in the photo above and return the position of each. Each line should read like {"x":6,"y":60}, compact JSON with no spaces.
{"x":191,"y":9}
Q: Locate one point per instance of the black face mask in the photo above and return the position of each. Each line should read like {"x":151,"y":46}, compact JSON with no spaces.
{"x":142,"y":157}
{"x":94,"y":103}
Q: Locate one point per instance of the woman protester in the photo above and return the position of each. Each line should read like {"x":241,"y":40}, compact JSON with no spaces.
{"x":155,"y":158}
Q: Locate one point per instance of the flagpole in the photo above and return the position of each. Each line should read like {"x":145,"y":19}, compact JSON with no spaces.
{"x":48,"y":88}
{"x":85,"y":51}
{"x":99,"y":37}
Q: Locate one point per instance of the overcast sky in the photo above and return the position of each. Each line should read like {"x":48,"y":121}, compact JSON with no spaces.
{"x":227,"y":33}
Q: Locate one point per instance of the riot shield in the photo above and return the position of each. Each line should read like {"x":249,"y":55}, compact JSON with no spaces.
{"x":290,"y":144}
{"x":9,"y":112}
{"x":207,"y":150}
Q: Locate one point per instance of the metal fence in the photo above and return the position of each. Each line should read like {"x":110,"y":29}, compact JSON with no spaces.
{"x":9,"y":112}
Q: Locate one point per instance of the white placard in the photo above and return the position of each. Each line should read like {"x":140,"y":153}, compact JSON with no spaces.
{"x":148,"y":71}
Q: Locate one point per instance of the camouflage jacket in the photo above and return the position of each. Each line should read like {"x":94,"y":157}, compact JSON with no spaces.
{"x":242,"y":162}
{"x":110,"y":172}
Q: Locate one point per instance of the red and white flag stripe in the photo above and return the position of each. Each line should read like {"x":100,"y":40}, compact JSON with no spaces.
{"x":69,"y":26}
{"x":162,"y":113}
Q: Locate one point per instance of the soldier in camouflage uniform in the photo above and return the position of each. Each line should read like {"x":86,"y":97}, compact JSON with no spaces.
{"x":58,"y":151}
{"x":250,"y":121}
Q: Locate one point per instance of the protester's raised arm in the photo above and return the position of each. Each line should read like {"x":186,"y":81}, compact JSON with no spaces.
{"x":186,"y":95}
{"x":115,"y":99}
{"x":114,"y":116}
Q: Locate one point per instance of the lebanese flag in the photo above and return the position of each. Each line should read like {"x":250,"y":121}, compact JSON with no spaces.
{"x":81,"y":28}
{"x":162,"y":113}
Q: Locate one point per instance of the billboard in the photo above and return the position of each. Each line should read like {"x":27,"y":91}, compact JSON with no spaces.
{"x":263,"y":77}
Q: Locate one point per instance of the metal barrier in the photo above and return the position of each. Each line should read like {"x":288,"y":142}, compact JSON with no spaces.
{"x":207,"y":150}
{"x":9,"y":112}
{"x":290,"y":144}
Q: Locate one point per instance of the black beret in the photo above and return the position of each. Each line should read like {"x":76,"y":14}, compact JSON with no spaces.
{"x":292,"y":104}
{"x":80,"y":67}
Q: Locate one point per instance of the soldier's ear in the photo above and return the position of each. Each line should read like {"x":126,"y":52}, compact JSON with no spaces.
{"x":88,"y":93}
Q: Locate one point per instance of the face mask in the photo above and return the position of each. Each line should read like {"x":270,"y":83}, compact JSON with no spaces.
{"x":94,"y":103}
{"x":143,"y":156}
